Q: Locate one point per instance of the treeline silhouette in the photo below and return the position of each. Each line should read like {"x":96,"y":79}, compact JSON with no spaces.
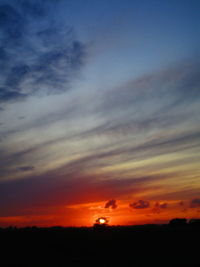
{"x":173,"y":244}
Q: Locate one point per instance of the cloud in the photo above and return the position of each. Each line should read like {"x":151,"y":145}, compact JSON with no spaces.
{"x":140,"y":204}
{"x":111,"y":203}
{"x":179,"y":84}
{"x":195,"y":203}
{"x":37,"y":55}
{"x":64,"y":187}
{"x":163,"y":205}
{"x":158,"y":206}
{"x":6,"y":95}
{"x":26,"y":168}
{"x":153,"y":101}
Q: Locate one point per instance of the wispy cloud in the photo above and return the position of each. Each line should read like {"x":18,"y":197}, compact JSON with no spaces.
{"x":25,"y":168}
{"x":37,"y":54}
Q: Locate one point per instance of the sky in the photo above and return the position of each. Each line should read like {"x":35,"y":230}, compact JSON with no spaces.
{"x":99,"y":111}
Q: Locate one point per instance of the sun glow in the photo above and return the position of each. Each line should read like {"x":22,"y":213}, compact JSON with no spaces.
{"x":102,"y":221}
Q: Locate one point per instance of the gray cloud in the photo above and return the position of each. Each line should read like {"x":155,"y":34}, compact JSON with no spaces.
{"x":140,"y":204}
{"x":153,"y":147}
{"x":178,"y":84}
{"x":26,"y":168}
{"x":37,"y":55}
{"x":163,"y":99}
{"x":120,"y":129}
{"x":111,"y":204}
{"x":159,"y":206}
{"x":6,"y":95}
{"x":195,"y":203}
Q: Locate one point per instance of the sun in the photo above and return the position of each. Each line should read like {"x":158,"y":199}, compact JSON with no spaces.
{"x":102,"y":221}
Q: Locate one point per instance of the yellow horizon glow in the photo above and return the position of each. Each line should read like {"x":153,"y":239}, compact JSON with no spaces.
{"x":102,"y":221}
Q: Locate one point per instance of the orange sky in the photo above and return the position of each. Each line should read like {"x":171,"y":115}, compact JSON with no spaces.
{"x":123,"y":214}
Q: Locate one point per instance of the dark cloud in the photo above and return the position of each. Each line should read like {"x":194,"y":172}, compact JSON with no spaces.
{"x":159,"y":206}
{"x":195,"y":203}
{"x":111,"y":204}
{"x":140,"y":204}
{"x":163,"y":205}
{"x":6,"y":95}
{"x":37,"y":54}
{"x":26,"y":168}
{"x":34,"y":7}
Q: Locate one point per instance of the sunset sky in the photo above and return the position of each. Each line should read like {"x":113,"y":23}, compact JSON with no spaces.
{"x":99,"y":111}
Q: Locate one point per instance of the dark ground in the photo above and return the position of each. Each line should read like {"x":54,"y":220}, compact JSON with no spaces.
{"x":149,"y":245}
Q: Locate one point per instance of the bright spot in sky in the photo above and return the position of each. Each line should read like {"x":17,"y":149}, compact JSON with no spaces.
{"x":102,"y":221}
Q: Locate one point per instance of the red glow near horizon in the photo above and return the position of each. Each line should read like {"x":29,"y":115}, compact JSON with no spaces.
{"x":86,"y":214}
{"x":102,"y":220}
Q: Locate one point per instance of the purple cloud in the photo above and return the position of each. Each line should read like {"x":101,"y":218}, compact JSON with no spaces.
{"x":195,"y":203}
{"x":140,"y":204}
{"x":111,"y":203}
{"x":157,"y":207}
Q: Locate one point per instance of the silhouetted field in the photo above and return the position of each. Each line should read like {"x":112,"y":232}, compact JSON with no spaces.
{"x":148,"y":245}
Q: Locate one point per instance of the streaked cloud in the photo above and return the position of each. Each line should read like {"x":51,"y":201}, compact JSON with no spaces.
{"x":26,"y":168}
{"x":39,"y":55}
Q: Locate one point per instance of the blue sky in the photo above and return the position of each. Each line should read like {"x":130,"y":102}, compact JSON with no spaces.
{"x":99,"y":101}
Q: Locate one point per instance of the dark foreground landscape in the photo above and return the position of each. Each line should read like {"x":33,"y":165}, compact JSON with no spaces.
{"x":148,"y":245}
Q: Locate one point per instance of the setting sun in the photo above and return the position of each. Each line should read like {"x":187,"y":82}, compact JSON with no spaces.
{"x":102,"y":221}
